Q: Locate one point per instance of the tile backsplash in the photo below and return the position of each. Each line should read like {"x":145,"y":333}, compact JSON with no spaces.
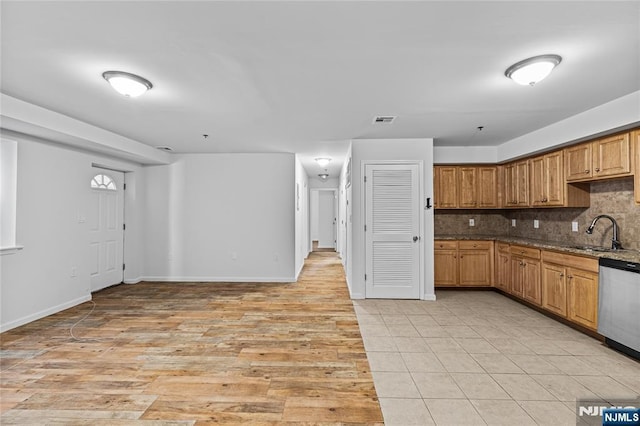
{"x":612,"y":197}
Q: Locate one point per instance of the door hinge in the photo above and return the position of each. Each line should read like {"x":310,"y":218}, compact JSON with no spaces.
{"x":123,"y":267}
{"x":365,"y":179}
{"x":365,"y":277}
{"x":124,"y":226}
{"x":124,"y":186}
{"x":365,"y":228}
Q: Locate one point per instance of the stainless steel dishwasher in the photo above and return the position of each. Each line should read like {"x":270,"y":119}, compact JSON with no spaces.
{"x":619,"y":305}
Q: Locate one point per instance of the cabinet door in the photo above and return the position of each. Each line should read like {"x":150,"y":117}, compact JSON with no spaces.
{"x":467,"y":185}
{"x":554,"y":179}
{"x":578,"y":162}
{"x":583,"y":297}
{"x":474,"y":267}
{"x":487,"y":190}
{"x":447,"y":197}
{"x":522,"y":183}
{"x":503,"y":270}
{"x":554,"y":288}
{"x":611,"y":156}
{"x":510,"y":185}
{"x":517,"y":276}
{"x":536,"y":177}
{"x":445,"y":267}
{"x":531,"y":281}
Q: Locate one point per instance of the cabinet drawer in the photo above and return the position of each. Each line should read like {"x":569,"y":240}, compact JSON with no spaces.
{"x":571,"y":260}
{"x":474,"y":245}
{"x":502,"y":247}
{"x":525,"y":252}
{"x":446,"y":245}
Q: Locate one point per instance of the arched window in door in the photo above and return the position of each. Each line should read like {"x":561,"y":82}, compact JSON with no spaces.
{"x":103,"y":182}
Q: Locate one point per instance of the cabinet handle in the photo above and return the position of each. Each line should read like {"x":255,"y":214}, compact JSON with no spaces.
{"x":597,"y":169}
{"x":561,"y":275}
{"x":461,"y":257}
{"x":586,"y":171}
{"x":570,"y":277}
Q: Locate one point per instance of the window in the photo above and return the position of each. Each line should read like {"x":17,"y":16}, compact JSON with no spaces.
{"x":103,"y":182}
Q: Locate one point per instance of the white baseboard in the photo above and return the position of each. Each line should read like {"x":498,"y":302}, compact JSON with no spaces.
{"x":222,"y":279}
{"x":45,"y":312}
{"x":132,"y":280}
{"x":299,"y":272}
{"x":430,"y":297}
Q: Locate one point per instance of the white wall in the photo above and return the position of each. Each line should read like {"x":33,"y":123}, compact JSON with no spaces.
{"x":389,"y":150}
{"x":221,"y":217}
{"x":52,"y":193}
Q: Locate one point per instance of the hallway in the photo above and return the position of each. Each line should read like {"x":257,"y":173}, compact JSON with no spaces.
{"x":195,"y":353}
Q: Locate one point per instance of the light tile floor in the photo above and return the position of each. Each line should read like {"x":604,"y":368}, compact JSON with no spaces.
{"x":477,"y":357}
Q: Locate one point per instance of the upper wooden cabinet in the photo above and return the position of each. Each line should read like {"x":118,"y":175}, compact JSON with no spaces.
{"x":547,"y":180}
{"x":548,"y":185}
{"x":466,"y":187}
{"x":446,"y":187}
{"x":602,"y":158}
{"x":516,"y":184}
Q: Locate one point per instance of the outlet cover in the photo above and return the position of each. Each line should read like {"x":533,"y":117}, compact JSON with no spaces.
{"x":472,"y":222}
{"x":536,"y":223}
{"x":574,"y":226}
{"x":513,"y":223}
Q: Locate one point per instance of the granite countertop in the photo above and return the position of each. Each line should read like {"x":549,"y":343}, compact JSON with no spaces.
{"x":626,"y":255}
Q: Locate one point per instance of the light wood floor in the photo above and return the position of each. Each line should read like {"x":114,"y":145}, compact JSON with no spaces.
{"x":196,"y":353}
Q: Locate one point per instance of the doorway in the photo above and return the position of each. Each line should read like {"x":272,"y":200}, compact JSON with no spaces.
{"x":323,"y":219}
{"x":106,"y":229}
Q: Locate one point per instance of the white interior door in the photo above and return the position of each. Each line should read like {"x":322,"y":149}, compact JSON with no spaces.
{"x":392,"y":196}
{"x":106,"y":229}
{"x":326,"y":219}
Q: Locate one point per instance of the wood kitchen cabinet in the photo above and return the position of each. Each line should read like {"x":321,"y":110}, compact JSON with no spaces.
{"x":570,"y":287}
{"x":516,"y":184}
{"x":549,"y":187}
{"x":603,"y":158}
{"x":465,"y":263}
{"x":478,"y":187}
{"x":445,"y":187}
{"x":466,"y":187}
{"x":502,"y":267}
{"x":446,"y":263}
{"x":546,"y":175}
{"x":525,"y":273}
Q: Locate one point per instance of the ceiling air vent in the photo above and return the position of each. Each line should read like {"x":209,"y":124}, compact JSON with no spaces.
{"x":384,"y":119}
{"x":164,"y":148}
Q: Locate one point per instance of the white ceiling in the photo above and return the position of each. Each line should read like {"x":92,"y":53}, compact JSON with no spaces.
{"x":306,"y":77}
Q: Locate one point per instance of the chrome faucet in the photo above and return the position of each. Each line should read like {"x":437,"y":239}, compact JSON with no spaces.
{"x":615,"y":243}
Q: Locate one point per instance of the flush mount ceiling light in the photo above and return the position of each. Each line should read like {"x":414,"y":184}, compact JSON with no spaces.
{"x":323,"y":161}
{"x":532,"y":70}
{"x":127,"y":84}
{"x":323,"y":176}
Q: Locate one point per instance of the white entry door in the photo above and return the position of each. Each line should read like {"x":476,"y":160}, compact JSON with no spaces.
{"x":392,"y":196}
{"x":106,"y":229}
{"x":326,"y":219}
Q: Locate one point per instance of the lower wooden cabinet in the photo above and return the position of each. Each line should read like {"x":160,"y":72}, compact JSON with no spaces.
{"x":465,"y":263}
{"x":525,"y":273}
{"x":570,"y":287}
{"x":503,"y":266}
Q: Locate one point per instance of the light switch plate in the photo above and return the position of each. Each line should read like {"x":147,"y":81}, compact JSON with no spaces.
{"x":536,"y":223}
{"x":513,"y":223}
{"x":574,"y":226}
{"x":472,"y":222}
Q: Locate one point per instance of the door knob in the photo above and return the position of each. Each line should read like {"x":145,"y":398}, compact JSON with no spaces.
{"x":415,"y":239}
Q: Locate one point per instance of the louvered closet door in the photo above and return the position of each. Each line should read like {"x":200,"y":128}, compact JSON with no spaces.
{"x":392,"y":220}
